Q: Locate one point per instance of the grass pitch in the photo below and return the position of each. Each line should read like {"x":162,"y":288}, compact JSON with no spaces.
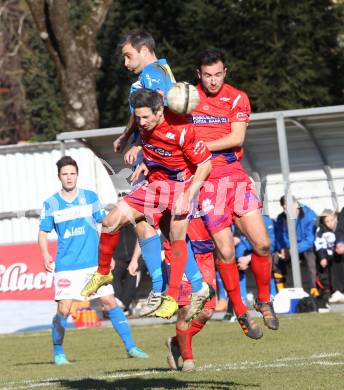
{"x":306,"y":353}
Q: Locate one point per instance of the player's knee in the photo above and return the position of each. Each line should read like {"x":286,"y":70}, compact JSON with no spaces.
{"x":205,"y":315}
{"x":111,"y":223}
{"x":64,"y":311}
{"x":226,"y":254}
{"x":182,"y":324}
{"x":262,"y":247}
{"x":108,"y":302}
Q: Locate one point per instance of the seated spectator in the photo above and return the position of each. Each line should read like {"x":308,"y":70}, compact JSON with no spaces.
{"x":324,"y":243}
{"x":337,"y":271}
{"x":305,"y":234}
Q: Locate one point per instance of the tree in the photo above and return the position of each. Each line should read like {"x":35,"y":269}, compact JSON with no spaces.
{"x":72,"y":46}
{"x":13,"y":123}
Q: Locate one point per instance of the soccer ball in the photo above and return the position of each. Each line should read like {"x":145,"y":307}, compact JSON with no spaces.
{"x":182,"y":98}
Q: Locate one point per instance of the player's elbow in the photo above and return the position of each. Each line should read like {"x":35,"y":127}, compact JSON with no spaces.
{"x":240,"y":141}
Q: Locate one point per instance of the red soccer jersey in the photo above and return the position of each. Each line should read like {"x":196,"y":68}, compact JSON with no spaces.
{"x":169,"y":150}
{"x":213,"y":117}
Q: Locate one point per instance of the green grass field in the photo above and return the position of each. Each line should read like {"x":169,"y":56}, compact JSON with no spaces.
{"x":306,"y":353}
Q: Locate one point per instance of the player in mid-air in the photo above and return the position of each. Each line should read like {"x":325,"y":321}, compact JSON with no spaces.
{"x":175,"y":174}
{"x":138,"y":49}
{"x":74,"y":214}
{"x":221,"y":120}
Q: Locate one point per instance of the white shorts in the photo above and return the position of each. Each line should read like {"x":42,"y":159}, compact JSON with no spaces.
{"x":68,"y":284}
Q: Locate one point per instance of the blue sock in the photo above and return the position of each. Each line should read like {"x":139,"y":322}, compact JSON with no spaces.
{"x":273,"y":290}
{"x":192,"y":271}
{"x":151,"y":253}
{"x":58,"y":329}
{"x":221,"y":292}
{"x":121,"y":326}
{"x":243,"y":288}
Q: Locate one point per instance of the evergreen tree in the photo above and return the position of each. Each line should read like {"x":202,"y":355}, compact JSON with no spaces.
{"x":44,"y":100}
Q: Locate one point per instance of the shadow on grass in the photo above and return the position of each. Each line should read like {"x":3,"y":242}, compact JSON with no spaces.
{"x":149,"y":383}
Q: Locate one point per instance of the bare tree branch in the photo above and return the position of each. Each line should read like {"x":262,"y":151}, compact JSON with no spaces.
{"x":97,"y":16}
{"x":75,"y":55}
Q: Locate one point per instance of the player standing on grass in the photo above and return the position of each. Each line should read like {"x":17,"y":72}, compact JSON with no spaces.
{"x":74,"y":213}
{"x":221,"y":120}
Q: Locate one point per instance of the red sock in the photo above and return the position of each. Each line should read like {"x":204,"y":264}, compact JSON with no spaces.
{"x":261,"y":268}
{"x":107,"y":244}
{"x":178,"y":262}
{"x":230,"y":277}
{"x":184,"y":339}
{"x":195,"y":327}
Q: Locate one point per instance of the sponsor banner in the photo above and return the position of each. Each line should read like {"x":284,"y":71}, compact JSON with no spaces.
{"x":22,"y":274}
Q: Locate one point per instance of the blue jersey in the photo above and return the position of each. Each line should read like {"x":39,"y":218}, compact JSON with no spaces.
{"x":75,"y":225}
{"x":157,"y":75}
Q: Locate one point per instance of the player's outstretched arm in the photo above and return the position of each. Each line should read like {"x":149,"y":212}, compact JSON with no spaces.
{"x":120,"y":143}
{"x":48,"y":261}
{"x":234,"y":139}
{"x":183,"y":204}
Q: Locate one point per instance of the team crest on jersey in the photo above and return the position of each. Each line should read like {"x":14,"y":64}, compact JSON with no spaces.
{"x":82,"y":200}
{"x":170,"y":135}
{"x":206,"y":107}
{"x":242,"y":116}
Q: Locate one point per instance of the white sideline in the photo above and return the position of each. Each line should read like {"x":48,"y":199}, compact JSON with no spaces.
{"x":287,"y":362}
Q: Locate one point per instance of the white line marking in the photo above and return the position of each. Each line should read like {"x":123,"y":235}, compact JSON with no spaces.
{"x":287,"y":362}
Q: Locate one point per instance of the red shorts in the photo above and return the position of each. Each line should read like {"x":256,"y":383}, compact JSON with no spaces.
{"x":227,"y":193}
{"x":206,"y":265}
{"x":152,"y":199}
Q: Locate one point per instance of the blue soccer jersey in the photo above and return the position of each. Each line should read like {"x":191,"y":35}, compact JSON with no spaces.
{"x":157,"y":75}
{"x":75,"y":225}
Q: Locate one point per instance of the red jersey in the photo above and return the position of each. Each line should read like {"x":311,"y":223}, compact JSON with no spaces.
{"x":170,"y":150}
{"x":214,"y":115}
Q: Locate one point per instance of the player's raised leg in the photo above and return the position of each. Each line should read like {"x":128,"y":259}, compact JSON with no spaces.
{"x":119,"y":216}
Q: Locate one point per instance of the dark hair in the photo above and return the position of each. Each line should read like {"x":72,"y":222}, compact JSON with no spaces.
{"x":282,"y":200}
{"x":64,"y":161}
{"x":210,"y":57}
{"x":145,"y":97}
{"x":139,"y":38}
{"x":324,"y":214}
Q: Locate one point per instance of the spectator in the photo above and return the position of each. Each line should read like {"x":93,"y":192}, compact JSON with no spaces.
{"x":127,"y":270}
{"x":337,"y":271}
{"x":243,"y":253}
{"x":324,"y":248}
{"x":305,"y":219}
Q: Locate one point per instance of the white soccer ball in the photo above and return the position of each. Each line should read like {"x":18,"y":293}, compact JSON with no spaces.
{"x":182,"y":98}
